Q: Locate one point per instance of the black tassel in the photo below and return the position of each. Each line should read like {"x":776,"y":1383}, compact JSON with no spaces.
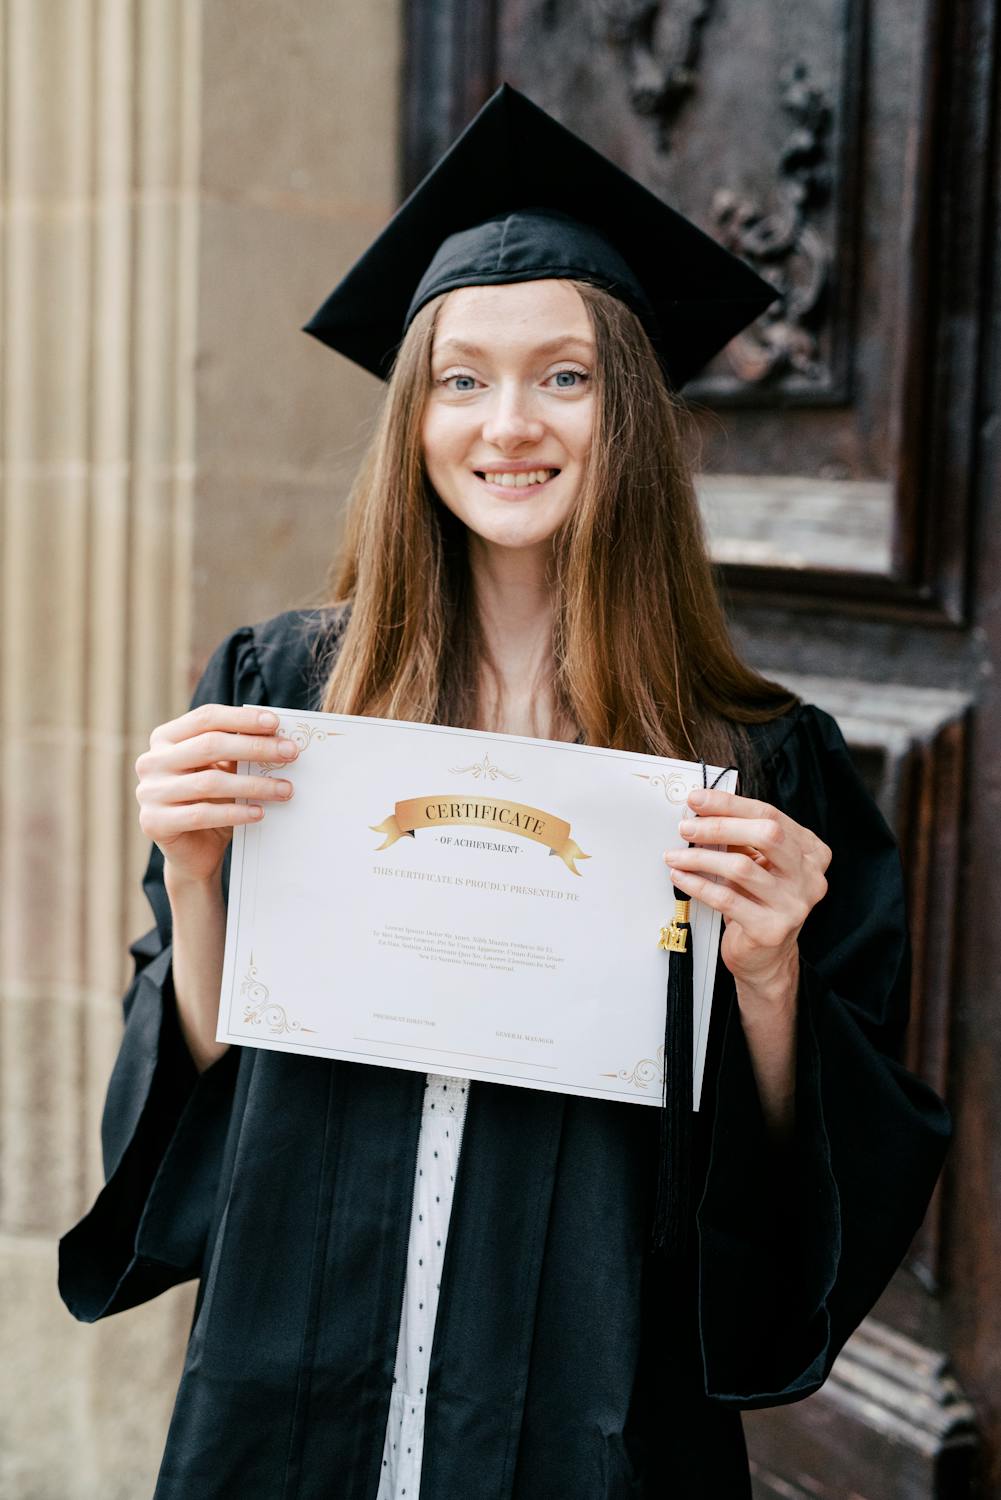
{"x":670,"y":1224}
{"x":677,"y":1119}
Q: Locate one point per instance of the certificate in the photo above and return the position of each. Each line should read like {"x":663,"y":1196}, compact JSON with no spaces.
{"x":451,"y":901}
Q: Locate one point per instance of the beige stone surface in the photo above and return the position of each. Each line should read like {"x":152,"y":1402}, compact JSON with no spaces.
{"x":83,"y":1410}
{"x":316,"y":104}
{"x":276,"y":535}
{"x":266,"y":404}
{"x":48,"y":55}
{"x":47,"y":272}
{"x":183,"y":184}
{"x":42,"y":1096}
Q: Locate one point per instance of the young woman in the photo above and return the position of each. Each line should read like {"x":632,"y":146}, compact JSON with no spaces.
{"x":430,"y":1287}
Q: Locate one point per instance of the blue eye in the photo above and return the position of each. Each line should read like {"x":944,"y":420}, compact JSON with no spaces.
{"x":460,"y":385}
{"x":568,"y":380}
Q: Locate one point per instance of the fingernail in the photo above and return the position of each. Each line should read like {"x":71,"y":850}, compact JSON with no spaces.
{"x":285,"y":787}
{"x":687,"y":826}
{"x":288,"y":749}
{"x":267,"y":721}
{"x":696,"y":796}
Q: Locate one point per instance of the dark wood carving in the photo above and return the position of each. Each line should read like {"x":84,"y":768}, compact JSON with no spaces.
{"x":660,"y":46}
{"x":783,"y":245}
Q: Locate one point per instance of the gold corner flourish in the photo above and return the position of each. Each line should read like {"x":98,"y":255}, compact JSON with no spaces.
{"x":261,"y":1010}
{"x":302,"y":735}
{"x":649,"y":1070}
{"x":676,"y":788}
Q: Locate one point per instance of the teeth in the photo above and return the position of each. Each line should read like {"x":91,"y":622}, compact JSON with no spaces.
{"x":520,"y":480}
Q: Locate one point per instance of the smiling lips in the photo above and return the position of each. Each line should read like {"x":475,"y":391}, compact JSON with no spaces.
{"x":516,"y":479}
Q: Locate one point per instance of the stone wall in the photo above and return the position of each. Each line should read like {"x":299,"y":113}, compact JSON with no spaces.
{"x":183,"y":181}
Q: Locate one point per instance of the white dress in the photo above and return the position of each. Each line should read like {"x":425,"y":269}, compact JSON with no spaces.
{"x":442,"y":1120}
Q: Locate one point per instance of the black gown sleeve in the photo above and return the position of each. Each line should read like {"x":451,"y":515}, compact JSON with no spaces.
{"x":164,"y":1124}
{"x":796,"y":1243}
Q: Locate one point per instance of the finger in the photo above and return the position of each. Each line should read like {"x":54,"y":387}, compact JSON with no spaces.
{"x":209,"y":716}
{"x":787,"y":902}
{"x":738,"y":868}
{"x":203,"y":786}
{"x":213,"y":746}
{"x":764,"y":834}
{"x":767,"y":922}
{"x":729,"y":804}
{"x":752,"y":853}
{"x":734,"y":905}
{"x":162,"y":823}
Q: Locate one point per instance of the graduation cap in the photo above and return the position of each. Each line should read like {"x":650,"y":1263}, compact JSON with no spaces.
{"x":518,"y":197}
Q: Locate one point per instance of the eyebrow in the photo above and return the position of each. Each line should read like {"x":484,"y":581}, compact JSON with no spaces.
{"x":551,"y":346}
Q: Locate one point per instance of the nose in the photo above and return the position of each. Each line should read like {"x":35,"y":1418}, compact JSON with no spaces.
{"x":512,"y":421}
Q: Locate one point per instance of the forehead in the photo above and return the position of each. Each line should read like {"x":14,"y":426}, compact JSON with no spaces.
{"x":513,"y":313}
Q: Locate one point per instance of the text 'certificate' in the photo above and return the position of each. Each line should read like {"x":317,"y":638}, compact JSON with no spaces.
{"x":451,"y":901}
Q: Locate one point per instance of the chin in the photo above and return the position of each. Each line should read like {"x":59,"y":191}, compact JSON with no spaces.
{"x":515,"y":524}
{"x":516,"y":533}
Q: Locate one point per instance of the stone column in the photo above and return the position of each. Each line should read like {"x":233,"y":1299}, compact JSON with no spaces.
{"x":182,"y":182}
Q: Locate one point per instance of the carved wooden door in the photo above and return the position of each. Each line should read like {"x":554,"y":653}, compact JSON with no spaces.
{"x":847,"y":149}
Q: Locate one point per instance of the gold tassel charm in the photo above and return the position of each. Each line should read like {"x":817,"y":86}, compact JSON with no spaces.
{"x":674,"y":937}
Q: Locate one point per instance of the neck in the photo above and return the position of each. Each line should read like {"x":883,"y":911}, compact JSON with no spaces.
{"x":514,"y":603}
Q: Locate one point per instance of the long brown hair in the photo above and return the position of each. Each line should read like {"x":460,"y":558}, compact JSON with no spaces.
{"x":644,"y":660}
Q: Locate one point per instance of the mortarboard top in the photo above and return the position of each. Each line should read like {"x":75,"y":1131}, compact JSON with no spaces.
{"x":518,"y":197}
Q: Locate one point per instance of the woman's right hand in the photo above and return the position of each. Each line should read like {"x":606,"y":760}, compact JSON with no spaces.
{"x":188,"y":783}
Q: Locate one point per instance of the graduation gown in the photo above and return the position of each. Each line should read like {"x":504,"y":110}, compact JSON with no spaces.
{"x":567,"y":1360}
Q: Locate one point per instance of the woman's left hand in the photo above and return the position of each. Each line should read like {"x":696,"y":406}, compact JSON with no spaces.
{"x":771,"y":876}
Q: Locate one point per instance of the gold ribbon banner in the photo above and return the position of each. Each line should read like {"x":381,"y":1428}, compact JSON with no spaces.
{"x":476,"y":812}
